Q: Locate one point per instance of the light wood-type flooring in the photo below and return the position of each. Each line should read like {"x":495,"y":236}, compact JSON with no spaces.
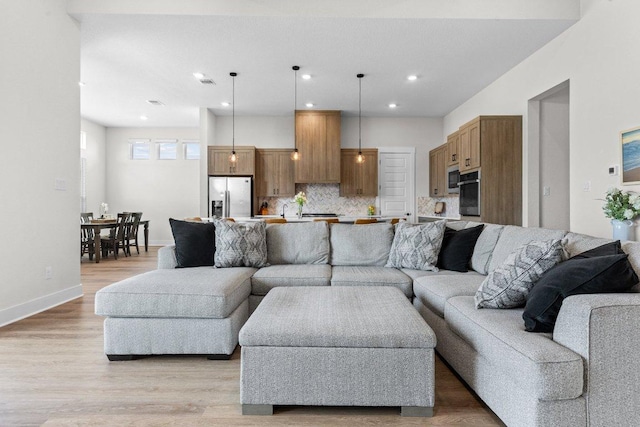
{"x":53,"y":372}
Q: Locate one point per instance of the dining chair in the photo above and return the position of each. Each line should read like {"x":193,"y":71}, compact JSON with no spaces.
{"x":365,"y":221}
{"x":329,"y":220}
{"x":87,"y":244}
{"x":116,"y":238}
{"x":275,"y":220}
{"x":394,"y":221}
{"x":131,"y":232}
{"x":193,"y":219}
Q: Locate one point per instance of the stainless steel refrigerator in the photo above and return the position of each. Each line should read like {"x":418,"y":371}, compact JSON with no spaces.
{"x":230,"y":196}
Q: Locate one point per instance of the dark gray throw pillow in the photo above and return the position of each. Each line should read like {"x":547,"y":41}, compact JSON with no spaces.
{"x":605,"y":269}
{"x":195,"y":243}
{"x":457,"y":248}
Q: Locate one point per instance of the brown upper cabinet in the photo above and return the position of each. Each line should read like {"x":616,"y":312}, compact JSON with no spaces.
{"x":318,"y":141}
{"x":437,"y":171}
{"x":359,"y":179}
{"x":469,"y":146}
{"x":218,"y":161}
{"x":274,"y":173}
{"x":453,"y":142}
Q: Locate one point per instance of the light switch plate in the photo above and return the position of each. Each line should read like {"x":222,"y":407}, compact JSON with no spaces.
{"x":614,"y":170}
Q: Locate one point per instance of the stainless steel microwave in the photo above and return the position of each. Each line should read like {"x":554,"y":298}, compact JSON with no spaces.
{"x":453,"y":177}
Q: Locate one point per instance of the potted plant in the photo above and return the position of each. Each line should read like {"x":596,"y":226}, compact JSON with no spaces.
{"x":622,"y":207}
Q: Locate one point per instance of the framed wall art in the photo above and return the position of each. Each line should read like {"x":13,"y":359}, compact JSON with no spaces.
{"x":630,"y":140}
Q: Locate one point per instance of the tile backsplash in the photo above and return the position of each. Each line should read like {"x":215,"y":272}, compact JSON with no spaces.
{"x":426,"y":206}
{"x":321,"y":198}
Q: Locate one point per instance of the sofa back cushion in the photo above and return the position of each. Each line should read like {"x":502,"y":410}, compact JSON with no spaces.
{"x":485,"y":245}
{"x":362,"y":244}
{"x":576,"y":243}
{"x":513,"y":237}
{"x":298,"y":243}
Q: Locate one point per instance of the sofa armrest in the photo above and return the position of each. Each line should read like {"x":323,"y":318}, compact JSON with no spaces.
{"x":167,"y":257}
{"x":605,"y":330}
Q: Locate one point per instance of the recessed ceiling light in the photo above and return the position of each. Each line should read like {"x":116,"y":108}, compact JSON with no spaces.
{"x":309,"y":105}
{"x":306,"y":76}
{"x":144,"y":117}
{"x":198,"y":75}
{"x":225,"y":104}
{"x":412,"y":77}
{"x":393,"y":105}
{"x":81,"y":83}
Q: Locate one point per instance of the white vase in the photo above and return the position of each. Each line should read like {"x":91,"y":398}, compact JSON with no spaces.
{"x":622,"y":229}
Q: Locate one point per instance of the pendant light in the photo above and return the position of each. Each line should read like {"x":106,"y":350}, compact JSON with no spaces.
{"x":360,"y":158}
{"x":295,"y":155}
{"x":233,"y":158}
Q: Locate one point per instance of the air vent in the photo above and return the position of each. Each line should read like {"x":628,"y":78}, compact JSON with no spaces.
{"x":154,"y":102}
{"x":207,"y":82}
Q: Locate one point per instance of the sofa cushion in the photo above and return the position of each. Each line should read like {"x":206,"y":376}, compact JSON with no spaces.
{"x":575,"y":243}
{"x":434,"y":291}
{"x":416,"y":246}
{"x":194,"y":243}
{"x":508,"y":285}
{"x":196,"y":292}
{"x":604,"y":269}
{"x":273,"y":276}
{"x":514,"y":237}
{"x":298,"y":243}
{"x":546,"y":369}
{"x":362,"y":244}
{"x":485,"y":245}
{"x":457,"y":248}
{"x":371,"y":276}
{"x":240,"y":244}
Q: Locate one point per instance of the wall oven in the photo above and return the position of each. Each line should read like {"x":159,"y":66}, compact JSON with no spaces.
{"x":453,"y":177}
{"x":470,"y":193}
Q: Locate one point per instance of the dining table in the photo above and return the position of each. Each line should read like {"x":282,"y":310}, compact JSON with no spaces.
{"x":102,"y":224}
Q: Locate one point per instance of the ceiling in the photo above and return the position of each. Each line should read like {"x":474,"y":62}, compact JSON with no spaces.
{"x":129,"y":58}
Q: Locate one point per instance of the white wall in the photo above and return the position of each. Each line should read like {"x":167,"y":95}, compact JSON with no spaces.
{"x":277,"y":132}
{"x":96,"y":169}
{"x":599,"y":57}
{"x":41,"y":144}
{"x":160,"y":189}
{"x":554,"y":161}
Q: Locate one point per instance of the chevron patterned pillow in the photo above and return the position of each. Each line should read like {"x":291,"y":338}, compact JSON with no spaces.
{"x":509,"y":284}
{"x":240,"y":244}
{"x":416,"y":246}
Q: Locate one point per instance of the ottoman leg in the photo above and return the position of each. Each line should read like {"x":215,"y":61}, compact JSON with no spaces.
{"x":257,"y":409}
{"x":416,"y":411}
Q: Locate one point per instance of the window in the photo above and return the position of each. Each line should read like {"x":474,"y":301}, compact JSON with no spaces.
{"x":167,"y":149}
{"x":191,"y":150}
{"x":139,"y":149}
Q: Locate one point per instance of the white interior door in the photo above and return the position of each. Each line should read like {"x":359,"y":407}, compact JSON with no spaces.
{"x":397,"y":183}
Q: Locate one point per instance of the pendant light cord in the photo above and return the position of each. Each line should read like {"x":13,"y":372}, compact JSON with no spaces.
{"x":360,"y":113}
{"x":233,"y":112}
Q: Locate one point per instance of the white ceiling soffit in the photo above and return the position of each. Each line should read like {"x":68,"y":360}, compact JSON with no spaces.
{"x":132,"y":52}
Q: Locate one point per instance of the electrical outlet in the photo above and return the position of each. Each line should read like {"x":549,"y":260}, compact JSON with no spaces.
{"x":48,"y":272}
{"x":546,"y":191}
{"x":60,"y":184}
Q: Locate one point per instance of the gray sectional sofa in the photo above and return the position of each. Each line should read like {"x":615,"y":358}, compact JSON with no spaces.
{"x":585,"y":373}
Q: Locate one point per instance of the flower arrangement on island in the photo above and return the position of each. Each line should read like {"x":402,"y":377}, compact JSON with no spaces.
{"x":300,"y":199}
{"x":621,"y":205}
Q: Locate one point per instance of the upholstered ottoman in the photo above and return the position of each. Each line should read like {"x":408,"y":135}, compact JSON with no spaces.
{"x":197,"y":310}
{"x":337,"y":346}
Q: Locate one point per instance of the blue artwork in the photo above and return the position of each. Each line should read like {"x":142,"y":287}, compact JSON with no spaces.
{"x":630,"y":155}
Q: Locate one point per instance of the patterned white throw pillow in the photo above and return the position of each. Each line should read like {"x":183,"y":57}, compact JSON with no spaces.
{"x":508,"y":285}
{"x":240,"y":244}
{"x":416,"y":246}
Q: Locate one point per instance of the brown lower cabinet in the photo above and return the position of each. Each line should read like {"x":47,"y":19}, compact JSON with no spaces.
{"x":358,"y":179}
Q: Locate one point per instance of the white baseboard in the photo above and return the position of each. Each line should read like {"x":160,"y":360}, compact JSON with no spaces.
{"x":38,"y":305}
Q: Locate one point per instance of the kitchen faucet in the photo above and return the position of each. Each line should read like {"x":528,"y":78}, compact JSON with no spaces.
{"x":284,"y":206}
